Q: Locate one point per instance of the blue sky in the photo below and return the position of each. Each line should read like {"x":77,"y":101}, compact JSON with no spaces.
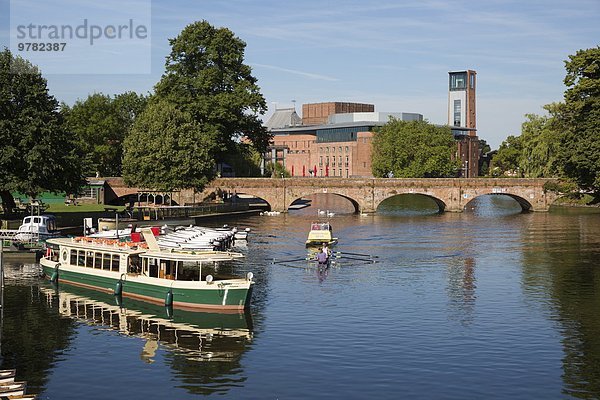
{"x":394,"y":54}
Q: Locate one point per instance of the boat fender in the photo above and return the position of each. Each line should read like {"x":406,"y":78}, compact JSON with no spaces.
{"x":119,"y":288}
{"x":169,"y":298}
{"x":54,"y":277}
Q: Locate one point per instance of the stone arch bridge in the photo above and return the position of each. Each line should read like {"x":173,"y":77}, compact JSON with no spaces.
{"x":450,"y":194}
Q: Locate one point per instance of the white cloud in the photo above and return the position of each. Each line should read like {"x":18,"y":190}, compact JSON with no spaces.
{"x":296,"y":72}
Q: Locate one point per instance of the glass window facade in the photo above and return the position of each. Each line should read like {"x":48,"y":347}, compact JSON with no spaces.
{"x":458,"y":81}
{"x":457,"y":110}
{"x":340,"y":134}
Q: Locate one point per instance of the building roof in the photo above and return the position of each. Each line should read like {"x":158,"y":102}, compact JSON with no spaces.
{"x":314,"y":128}
{"x":282,"y":118}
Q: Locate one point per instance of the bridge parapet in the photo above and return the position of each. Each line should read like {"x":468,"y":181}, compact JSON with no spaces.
{"x":451,"y":194}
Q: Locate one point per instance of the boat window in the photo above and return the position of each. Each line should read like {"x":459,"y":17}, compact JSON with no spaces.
{"x":115,"y":263}
{"x":89,"y":259}
{"x":36,"y":220}
{"x":81,"y":258}
{"x":98,"y":260}
{"x":106,"y":262}
{"x":27,"y":220}
{"x":188,"y":272}
{"x":153,"y":269}
{"x":134,"y":264}
{"x":73,"y":257}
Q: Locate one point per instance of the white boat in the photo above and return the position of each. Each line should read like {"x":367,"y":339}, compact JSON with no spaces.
{"x":34,"y":228}
{"x":144,"y":271}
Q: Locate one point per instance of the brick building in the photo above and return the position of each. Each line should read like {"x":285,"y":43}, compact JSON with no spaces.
{"x":318,"y":113}
{"x":335,"y":138}
{"x":462,"y":118}
{"x":340,"y":147}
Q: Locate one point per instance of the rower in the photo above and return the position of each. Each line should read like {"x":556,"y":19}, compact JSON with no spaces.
{"x":326,"y":249}
{"x":322,"y":257}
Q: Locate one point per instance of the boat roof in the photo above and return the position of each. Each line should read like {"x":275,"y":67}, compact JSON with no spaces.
{"x":87,"y":243}
{"x":202,"y":256}
{"x":96,"y":244}
{"x":315,"y":226}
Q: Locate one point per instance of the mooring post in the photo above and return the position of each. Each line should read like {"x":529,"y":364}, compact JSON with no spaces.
{"x":1,"y":276}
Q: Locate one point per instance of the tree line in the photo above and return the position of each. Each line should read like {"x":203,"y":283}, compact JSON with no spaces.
{"x":204,"y":110}
{"x":564,"y":143}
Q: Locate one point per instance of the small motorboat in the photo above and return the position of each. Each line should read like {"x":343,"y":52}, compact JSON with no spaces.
{"x":320,"y":232}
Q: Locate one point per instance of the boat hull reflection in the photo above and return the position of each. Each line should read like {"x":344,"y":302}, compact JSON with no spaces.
{"x":201,"y":335}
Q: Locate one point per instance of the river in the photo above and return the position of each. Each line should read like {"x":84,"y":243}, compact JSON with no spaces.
{"x":490,"y":303}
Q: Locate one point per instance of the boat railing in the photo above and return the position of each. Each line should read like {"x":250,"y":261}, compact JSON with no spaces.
{"x":109,"y":243}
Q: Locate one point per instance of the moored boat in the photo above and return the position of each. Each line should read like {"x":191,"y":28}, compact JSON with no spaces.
{"x":33,"y":229}
{"x":320,"y":232}
{"x":144,"y":271}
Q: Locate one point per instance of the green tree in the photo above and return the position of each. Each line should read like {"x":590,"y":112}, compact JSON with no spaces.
{"x":207,"y":78}
{"x":540,"y":145}
{"x":484,"y":148}
{"x":506,"y":160}
{"x":276,"y":170}
{"x":414,"y":149}
{"x":244,"y":160}
{"x":101,"y":123}
{"x":37,"y":154}
{"x":580,"y":119}
{"x":167,"y":150}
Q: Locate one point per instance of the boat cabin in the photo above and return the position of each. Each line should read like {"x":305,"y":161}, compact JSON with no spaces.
{"x":37,"y":227}
{"x":134,"y":258}
{"x":320,"y":232}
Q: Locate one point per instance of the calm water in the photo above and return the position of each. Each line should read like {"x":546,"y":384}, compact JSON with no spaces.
{"x":489,"y":304}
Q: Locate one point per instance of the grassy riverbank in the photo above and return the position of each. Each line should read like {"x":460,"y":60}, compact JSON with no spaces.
{"x":577,"y":200}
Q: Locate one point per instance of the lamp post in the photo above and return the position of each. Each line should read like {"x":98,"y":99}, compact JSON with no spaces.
{"x":284,"y":190}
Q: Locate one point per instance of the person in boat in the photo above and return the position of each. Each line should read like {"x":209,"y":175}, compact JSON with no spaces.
{"x":322,"y":258}
{"x":326,"y":250}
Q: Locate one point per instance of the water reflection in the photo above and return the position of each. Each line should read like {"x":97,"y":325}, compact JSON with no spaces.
{"x":187,"y":332}
{"x":33,"y":338}
{"x":408,"y":205}
{"x":461,"y":288}
{"x":560,"y":270}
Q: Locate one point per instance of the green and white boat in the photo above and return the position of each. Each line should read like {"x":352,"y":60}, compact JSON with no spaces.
{"x":141,"y":270}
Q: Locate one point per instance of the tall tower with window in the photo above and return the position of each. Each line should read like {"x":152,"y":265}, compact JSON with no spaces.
{"x":462,"y":119}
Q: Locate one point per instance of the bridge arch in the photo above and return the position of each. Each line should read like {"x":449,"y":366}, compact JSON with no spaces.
{"x":450,"y":194}
{"x":526,"y":206}
{"x":439,"y":202}
{"x":306,"y":193}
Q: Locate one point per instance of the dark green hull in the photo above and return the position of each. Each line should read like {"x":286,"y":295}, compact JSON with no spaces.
{"x":220,"y":297}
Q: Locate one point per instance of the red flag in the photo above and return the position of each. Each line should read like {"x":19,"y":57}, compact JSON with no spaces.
{"x":315,"y":171}
{"x":327,"y":170}
{"x":292,"y":170}
{"x":304,"y":170}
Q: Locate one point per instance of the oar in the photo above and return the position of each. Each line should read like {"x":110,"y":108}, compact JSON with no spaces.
{"x":356,"y":254}
{"x":359,"y":259}
{"x":287,"y":261}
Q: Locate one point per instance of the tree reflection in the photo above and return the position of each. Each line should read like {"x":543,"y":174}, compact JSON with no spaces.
{"x":560,"y":265}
